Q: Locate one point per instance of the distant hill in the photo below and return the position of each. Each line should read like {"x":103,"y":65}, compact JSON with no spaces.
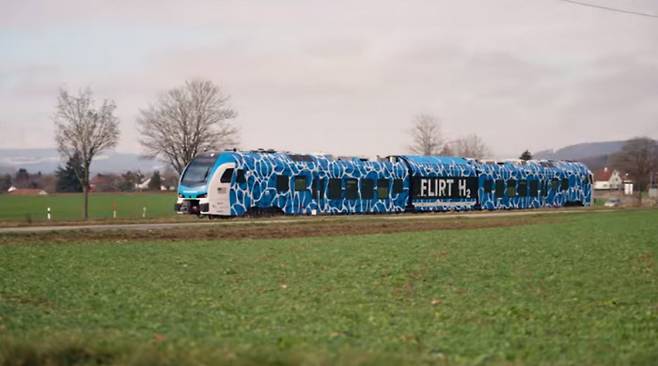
{"x":593,"y":154}
{"x":47,"y":161}
{"x":581,"y":151}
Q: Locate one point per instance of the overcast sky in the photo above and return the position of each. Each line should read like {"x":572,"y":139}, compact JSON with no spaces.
{"x":343,"y":77}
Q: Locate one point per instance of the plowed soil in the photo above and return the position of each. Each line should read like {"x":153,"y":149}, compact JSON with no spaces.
{"x":273,"y":230}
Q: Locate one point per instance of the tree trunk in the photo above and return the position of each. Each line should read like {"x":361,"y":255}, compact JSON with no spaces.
{"x":85,"y":190}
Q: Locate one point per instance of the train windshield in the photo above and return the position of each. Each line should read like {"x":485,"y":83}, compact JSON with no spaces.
{"x":198,"y":170}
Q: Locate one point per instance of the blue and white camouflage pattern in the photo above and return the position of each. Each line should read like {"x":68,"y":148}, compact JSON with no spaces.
{"x":260,"y":189}
{"x":262,"y":173}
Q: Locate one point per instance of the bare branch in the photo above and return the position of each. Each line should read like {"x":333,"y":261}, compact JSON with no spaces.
{"x":83,"y":130}
{"x":427,"y":138}
{"x":186,"y":121}
{"x":470,"y":146}
{"x":639,"y":158}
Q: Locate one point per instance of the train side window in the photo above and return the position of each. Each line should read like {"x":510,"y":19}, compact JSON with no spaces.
{"x":398,"y":186}
{"x":282,"y":183}
{"x":565,"y":184}
{"x":488,"y":185}
{"x":555,"y":184}
{"x":351,"y":189}
{"x":500,"y":188}
{"x":317,"y":186}
{"x":511,"y":188}
{"x":226,"y":176}
{"x":239,"y":176}
{"x":382,"y":189}
{"x":334,"y":191}
{"x":589,"y":178}
{"x":523,"y":188}
{"x":300,"y":183}
{"x":367,"y":189}
{"x":534,"y":187}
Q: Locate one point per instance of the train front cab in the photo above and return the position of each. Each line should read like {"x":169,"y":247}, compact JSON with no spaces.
{"x":204,"y":186}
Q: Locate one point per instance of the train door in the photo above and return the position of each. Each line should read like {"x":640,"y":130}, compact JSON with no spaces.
{"x":318,"y":191}
{"x":302,"y":197}
{"x":219,"y":188}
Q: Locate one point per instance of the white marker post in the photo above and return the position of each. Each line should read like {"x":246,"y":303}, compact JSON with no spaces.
{"x":49,"y":215}
{"x":114,"y":209}
{"x":144,"y":212}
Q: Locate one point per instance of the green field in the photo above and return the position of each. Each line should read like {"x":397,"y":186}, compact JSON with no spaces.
{"x":575,"y":289}
{"x":68,"y":206}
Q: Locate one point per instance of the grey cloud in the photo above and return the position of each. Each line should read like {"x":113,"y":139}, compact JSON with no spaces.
{"x":347,"y":77}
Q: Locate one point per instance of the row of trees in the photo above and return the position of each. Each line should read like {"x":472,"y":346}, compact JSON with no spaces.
{"x":25,"y":179}
{"x":428,"y":139}
{"x":182,"y":123}
{"x":64,"y":180}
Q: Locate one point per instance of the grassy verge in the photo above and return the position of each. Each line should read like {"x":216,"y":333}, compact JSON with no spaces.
{"x":68,"y":206}
{"x":578,"y":291}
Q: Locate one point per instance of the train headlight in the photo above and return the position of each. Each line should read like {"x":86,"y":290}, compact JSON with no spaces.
{"x":202,"y":195}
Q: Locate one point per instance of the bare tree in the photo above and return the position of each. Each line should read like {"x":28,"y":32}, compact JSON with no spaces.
{"x":85,"y":131}
{"x":186,"y":121}
{"x":426,"y":134}
{"x":639,"y":158}
{"x":470,"y":146}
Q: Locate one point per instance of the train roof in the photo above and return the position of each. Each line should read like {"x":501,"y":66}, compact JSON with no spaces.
{"x":435,"y":159}
{"x":416,"y":162}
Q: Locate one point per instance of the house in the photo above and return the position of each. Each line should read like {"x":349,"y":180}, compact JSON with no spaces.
{"x":144,"y":186}
{"x":104,"y":183}
{"x":607,"y":179}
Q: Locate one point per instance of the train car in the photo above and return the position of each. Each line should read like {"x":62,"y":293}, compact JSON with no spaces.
{"x":441,"y":183}
{"x":533,"y":184}
{"x":235,"y":183}
{"x":240,"y":183}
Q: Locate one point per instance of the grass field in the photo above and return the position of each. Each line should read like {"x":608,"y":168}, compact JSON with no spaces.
{"x":580,"y":289}
{"x":68,"y":207}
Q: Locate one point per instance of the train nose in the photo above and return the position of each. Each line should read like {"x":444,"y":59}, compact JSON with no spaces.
{"x":188,"y":207}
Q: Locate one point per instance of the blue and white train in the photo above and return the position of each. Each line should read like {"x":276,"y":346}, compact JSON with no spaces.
{"x":233,"y":183}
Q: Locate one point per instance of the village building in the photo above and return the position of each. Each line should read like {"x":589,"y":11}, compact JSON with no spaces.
{"x":608,"y":179}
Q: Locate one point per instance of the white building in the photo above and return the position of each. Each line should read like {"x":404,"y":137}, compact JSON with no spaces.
{"x":607,"y":179}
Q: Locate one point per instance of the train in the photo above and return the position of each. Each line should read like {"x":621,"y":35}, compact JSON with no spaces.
{"x":266,"y":182}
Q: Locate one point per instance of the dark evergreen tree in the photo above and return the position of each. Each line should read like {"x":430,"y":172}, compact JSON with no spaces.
{"x":22,"y":179}
{"x":67,"y":177}
{"x":5,"y":183}
{"x":526,"y":156}
{"x":155,"y":182}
